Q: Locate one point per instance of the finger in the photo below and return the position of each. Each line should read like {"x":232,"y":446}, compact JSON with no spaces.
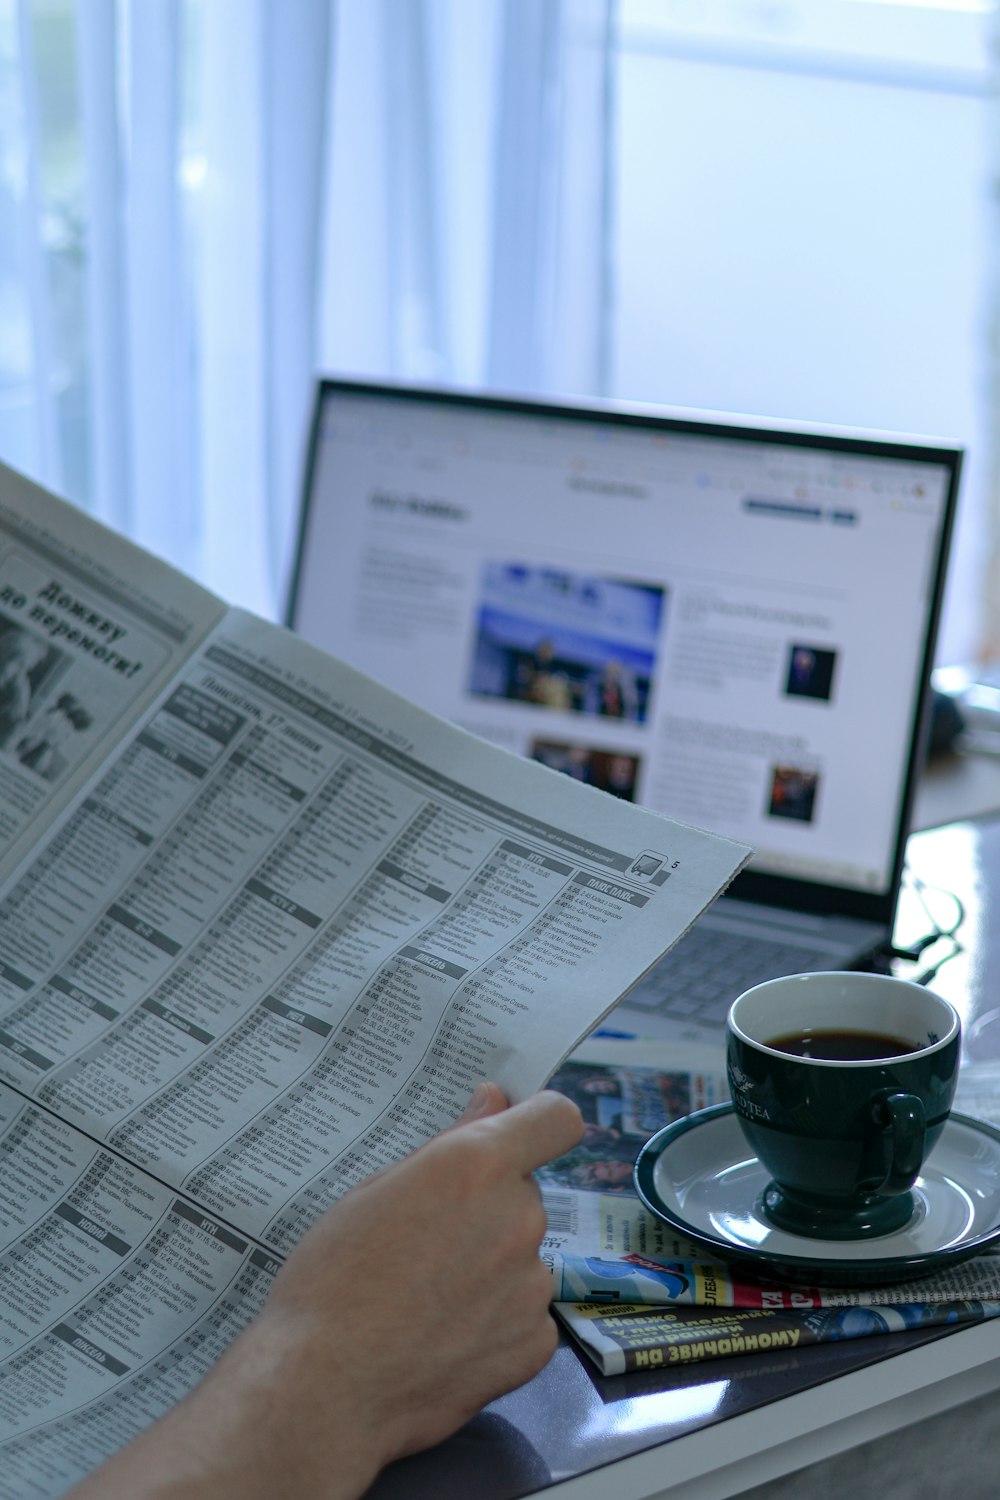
{"x":540,"y":1128}
{"x":488,"y":1099}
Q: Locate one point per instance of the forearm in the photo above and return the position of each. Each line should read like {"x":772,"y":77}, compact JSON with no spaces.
{"x":339,"y":1376}
{"x":253,"y":1429}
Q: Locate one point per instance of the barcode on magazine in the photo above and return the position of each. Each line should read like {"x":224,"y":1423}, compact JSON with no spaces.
{"x":560,"y":1209}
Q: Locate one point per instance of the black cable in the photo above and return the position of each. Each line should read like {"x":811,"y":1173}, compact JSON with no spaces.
{"x":912,"y":953}
{"x":926,"y":975}
{"x":920,"y":888}
{"x":938,"y":933}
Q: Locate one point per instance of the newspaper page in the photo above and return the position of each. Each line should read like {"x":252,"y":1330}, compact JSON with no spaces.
{"x":271,"y":947}
{"x":298,"y":919}
{"x":116,"y":1295}
{"x":90,"y":629}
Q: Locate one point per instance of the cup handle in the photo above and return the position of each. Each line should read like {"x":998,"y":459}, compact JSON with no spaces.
{"x":903,"y":1116}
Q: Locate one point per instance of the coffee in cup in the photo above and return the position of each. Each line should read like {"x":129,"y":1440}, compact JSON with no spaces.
{"x":842,"y":1084}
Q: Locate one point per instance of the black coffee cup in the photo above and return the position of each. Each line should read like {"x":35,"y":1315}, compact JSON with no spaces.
{"x":842,"y":1084}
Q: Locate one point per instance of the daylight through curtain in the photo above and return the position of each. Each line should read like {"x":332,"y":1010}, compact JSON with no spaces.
{"x":203,"y":203}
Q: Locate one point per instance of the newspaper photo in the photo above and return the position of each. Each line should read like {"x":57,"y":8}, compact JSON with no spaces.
{"x":90,"y":629}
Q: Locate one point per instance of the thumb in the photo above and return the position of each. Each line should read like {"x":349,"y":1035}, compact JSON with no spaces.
{"x":488,"y":1099}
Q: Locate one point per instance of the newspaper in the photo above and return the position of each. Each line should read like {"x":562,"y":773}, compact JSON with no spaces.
{"x":637,"y":1295}
{"x":263,"y":927}
{"x":91,"y":628}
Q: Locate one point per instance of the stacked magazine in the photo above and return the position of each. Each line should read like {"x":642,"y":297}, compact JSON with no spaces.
{"x":637,"y":1296}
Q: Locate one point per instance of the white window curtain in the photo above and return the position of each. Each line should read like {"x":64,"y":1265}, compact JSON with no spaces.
{"x":471,"y":177}
{"x":205,"y":202}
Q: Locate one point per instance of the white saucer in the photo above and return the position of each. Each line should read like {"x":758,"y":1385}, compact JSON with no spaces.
{"x":699,"y":1176}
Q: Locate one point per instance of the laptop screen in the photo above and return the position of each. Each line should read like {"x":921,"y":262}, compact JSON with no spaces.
{"x":730,"y":623}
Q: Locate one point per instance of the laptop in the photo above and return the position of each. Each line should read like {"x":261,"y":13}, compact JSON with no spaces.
{"x":729,"y":621}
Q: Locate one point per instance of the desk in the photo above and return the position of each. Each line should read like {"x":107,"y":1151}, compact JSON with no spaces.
{"x":729,"y":1425}
{"x":957,"y":785}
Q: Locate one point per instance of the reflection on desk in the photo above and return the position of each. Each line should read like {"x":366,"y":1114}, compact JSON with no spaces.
{"x":563,"y":1427}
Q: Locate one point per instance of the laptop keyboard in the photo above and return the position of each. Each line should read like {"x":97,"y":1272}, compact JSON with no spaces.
{"x":702,"y":976}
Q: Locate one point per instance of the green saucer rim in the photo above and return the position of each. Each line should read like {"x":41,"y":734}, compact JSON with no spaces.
{"x":771,"y":1266}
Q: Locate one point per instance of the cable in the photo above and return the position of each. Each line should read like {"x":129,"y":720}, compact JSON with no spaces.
{"x":938,"y":933}
{"x":920,"y":888}
{"x":912,"y":953}
{"x":926,"y":975}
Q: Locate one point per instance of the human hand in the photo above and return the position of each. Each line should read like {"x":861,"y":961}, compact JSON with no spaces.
{"x":420,"y":1296}
{"x":416,"y":1299}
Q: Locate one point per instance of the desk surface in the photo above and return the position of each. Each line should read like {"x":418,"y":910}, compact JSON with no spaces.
{"x":728,"y":1425}
{"x":955,"y":786}
{"x":692,"y":1435}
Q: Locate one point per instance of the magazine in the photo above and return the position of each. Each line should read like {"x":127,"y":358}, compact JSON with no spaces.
{"x":694,"y":1281}
{"x":603,"y":1246}
{"x":629,"y":1337}
{"x":263,"y":927}
{"x":637,"y":1295}
{"x":626,"y":1089}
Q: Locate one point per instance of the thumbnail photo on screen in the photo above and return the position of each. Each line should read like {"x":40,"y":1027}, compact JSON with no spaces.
{"x":810,"y":672}
{"x":793,"y":793}
{"x":608,"y":770}
{"x":570,"y":641}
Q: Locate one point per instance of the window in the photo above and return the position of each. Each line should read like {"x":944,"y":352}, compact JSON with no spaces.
{"x":802,"y":224}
